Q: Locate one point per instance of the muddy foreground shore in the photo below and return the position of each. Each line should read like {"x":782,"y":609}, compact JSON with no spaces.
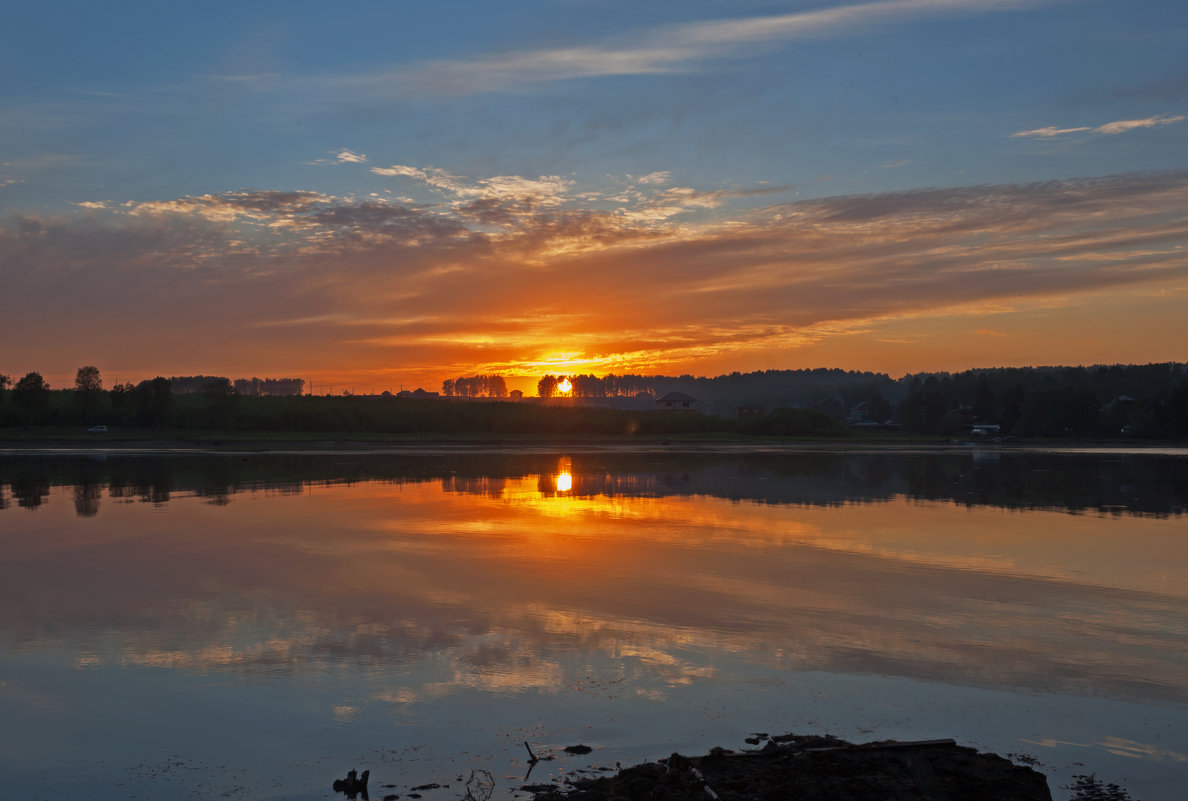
{"x":805,"y":767}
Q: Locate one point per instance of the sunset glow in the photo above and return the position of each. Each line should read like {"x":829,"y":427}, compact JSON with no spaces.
{"x":564,"y":386}
{"x":695,"y":188}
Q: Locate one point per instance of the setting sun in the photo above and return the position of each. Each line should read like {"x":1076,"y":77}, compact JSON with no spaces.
{"x":564,"y":387}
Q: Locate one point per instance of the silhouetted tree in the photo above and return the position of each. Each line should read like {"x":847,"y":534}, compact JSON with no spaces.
{"x":88,"y":389}
{"x":220,"y":402}
{"x":447,"y":387}
{"x":983,"y":402}
{"x":1177,"y":410}
{"x":1011,"y":408}
{"x":547,"y":386}
{"x":190,"y":384}
{"x":479,"y":386}
{"x":879,"y":409}
{"x":153,"y":400}
{"x":255,"y":387}
{"x":31,"y":396}
{"x":1059,"y":411}
{"x":924,"y":408}
{"x":118,"y":397}
{"x":1114,"y":419}
{"x":87,"y":379}
{"x":5,"y":382}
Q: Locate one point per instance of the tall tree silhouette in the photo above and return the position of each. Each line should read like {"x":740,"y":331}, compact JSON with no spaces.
{"x":31,"y":396}
{"x":88,"y":389}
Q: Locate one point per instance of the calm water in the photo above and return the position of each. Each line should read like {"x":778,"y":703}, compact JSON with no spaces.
{"x":254,"y":625}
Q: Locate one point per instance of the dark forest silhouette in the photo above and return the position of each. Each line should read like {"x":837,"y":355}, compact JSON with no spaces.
{"x":1115,"y":401}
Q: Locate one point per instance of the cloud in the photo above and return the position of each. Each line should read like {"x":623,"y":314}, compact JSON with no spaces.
{"x":661,"y":49}
{"x":658,"y":177}
{"x":274,"y":222}
{"x":260,"y":205}
{"x":431,"y":176}
{"x":546,"y":189}
{"x":1122,"y":126}
{"x":672,"y":279}
{"x":1050,"y":131}
{"x":673,"y":201}
{"x":345,"y":156}
{"x":1110,"y":128}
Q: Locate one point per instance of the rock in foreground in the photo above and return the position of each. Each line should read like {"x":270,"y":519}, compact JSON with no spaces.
{"x":810,"y":768}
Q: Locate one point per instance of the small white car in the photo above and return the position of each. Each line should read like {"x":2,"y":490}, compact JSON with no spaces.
{"x":97,"y":429}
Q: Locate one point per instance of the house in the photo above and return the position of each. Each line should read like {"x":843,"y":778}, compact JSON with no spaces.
{"x":677,"y":402}
{"x":859,"y":414}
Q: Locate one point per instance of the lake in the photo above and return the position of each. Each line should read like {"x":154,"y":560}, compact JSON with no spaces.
{"x":253,"y":625}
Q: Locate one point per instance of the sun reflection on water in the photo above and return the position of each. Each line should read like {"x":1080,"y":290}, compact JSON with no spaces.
{"x":563,"y":480}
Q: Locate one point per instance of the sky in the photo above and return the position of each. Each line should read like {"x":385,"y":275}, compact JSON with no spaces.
{"x":381,"y":195}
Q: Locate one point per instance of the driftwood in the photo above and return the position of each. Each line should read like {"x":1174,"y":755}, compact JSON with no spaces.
{"x":479,"y":786}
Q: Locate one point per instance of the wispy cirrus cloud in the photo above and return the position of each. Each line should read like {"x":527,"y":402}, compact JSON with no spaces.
{"x":1122,"y":126}
{"x":662,"y":49}
{"x":1109,"y":129}
{"x":1050,"y":131}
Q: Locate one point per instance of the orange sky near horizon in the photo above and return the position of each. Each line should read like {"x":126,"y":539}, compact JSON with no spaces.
{"x":1078,"y":272}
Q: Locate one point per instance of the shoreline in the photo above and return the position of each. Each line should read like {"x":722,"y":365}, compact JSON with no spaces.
{"x":813,"y":766}
{"x":530,"y":443}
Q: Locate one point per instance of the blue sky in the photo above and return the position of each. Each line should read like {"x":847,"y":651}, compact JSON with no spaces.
{"x":380,"y":191}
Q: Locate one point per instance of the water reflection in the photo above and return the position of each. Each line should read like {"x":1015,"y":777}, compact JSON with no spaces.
{"x":430,"y":587}
{"x":1103,"y":482}
{"x":563,"y":481}
{"x":486,"y":566}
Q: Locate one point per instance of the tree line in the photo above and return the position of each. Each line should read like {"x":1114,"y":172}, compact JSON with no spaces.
{"x":153,"y":405}
{"x":149,"y":403}
{"x":1109,"y":401}
{"x":1112,"y":401}
{"x":1106,"y":401}
{"x":242,"y":386}
{"x":479,"y":386}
